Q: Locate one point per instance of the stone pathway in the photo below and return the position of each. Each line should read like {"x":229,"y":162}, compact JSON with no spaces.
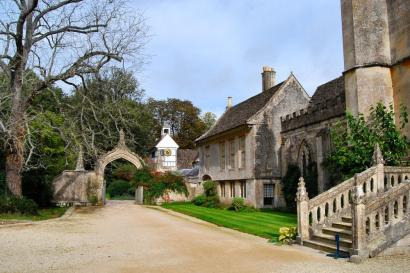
{"x":123,"y":237}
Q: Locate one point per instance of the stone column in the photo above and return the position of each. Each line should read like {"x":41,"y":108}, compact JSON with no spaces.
{"x":302,"y":200}
{"x":139,"y":195}
{"x":359,"y":250}
{"x":378,"y":161}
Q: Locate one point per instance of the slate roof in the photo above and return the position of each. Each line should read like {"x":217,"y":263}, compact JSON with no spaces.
{"x":329,"y":90}
{"x":327,"y":102}
{"x":185,"y":158}
{"x":239,"y":114}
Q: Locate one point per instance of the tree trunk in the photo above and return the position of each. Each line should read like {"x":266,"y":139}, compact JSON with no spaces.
{"x":14,"y":163}
{"x":15,"y":151}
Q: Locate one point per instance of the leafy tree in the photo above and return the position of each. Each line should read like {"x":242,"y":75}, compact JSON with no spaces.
{"x":58,"y":41}
{"x":182,"y":116}
{"x":209,"y":119}
{"x":355,"y":138}
{"x":105,"y":104}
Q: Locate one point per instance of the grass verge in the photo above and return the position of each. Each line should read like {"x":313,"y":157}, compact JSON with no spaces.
{"x":265,"y":223}
{"x":43,"y":214}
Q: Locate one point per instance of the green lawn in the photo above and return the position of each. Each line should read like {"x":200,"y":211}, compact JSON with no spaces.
{"x":43,"y":214}
{"x":265,"y":224}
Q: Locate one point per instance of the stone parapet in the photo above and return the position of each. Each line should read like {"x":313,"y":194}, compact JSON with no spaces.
{"x":330,"y":108}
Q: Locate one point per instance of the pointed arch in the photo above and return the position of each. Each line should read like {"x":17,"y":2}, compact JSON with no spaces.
{"x":304,"y":156}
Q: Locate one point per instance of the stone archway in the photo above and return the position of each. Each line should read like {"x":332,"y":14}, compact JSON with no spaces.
{"x":82,"y":187}
{"x":121,"y":151}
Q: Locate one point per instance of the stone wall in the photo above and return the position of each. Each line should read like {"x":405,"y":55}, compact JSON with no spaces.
{"x":330,"y":108}
{"x":268,"y":128}
{"x":75,"y":187}
{"x":376,"y":43}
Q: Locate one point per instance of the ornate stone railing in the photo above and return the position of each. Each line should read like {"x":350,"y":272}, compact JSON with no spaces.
{"x":377,"y":200}
{"x":386,"y":219}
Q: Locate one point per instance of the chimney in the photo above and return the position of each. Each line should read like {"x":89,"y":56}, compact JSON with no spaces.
{"x":268,"y":78}
{"x":229,"y":105}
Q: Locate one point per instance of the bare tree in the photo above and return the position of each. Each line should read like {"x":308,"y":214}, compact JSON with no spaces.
{"x":59,"y":41}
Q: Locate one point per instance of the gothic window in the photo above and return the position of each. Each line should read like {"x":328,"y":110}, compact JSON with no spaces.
{"x":223,"y":190}
{"x":232,"y":188}
{"x":242,"y":153}
{"x":243,"y":189}
{"x":222,"y":155}
{"x":304,"y":158}
{"x":207,"y":157}
{"x":232,"y":154}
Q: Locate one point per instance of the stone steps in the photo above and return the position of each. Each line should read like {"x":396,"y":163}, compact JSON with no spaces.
{"x":328,"y":248}
{"x":326,"y":242}
{"x":342,"y":232}
{"x":342,"y":225}
{"x":329,"y":239}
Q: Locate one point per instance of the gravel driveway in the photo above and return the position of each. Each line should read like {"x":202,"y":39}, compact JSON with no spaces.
{"x":123,"y":237}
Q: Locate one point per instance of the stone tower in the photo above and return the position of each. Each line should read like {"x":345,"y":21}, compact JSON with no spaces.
{"x":376,"y":44}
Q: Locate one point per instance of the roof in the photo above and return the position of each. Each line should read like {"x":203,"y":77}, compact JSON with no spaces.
{"x":189,"y":172}
{"x":167,"y":142}
{"x":327,"y":102}
{"x":186,"y":157}
{"x":240,"y":114}
{"x":329,"y":90}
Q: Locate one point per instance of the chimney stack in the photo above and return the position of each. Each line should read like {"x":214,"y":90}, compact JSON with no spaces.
{"x":229,"y":105}
{"x":268,"y":78}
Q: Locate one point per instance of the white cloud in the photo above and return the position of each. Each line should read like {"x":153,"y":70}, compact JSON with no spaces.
{"x":207,"y":50}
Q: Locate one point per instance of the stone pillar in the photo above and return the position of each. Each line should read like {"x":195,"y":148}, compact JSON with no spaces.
{"x":302,"y":200}
{"x":139,"y":195}
{"x":366,"y":47}
{"x":359,"y":250}
{"x":378,"y":161}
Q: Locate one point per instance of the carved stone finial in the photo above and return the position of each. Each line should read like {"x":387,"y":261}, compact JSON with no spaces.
{"x":377,"y":155}
{"x":121,"y":142}
{"x":301,"y":194}
{"x":80,"y":161}
{"x":358,"y":195}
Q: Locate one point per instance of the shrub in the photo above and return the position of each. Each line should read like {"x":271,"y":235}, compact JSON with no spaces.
{"x":18,"y":205}
{"x":206,"y":201}
{"x":5,"y":205}
{"x":238,"y":204}
{"x":290,"y":185}
{"x":209,"y":198}
{"x":199,"y":200}
{"x":24,"y":205}
{"x":118,"y":188}
{"x":287,"y":235}
{"x":160,"y":184}
{"x":211,"y":202}
{"x":209,"y":188}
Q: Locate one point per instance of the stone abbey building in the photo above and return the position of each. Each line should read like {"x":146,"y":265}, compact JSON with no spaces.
{"x":251,"y":145}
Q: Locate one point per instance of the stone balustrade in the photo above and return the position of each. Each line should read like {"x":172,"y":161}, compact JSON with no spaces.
{"x":387,"y":218}
{"x":377,"y":200}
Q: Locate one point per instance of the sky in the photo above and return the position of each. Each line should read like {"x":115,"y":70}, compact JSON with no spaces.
{"x":207,"y":50}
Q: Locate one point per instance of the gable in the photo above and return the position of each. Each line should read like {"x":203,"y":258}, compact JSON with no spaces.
{"x":239,"y":114}
{"x":167,"y":142}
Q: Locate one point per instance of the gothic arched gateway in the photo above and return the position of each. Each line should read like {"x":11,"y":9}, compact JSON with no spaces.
{"x":82,"y":187}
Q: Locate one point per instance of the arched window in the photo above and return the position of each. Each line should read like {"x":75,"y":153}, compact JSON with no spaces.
{"x":304,"y":157}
